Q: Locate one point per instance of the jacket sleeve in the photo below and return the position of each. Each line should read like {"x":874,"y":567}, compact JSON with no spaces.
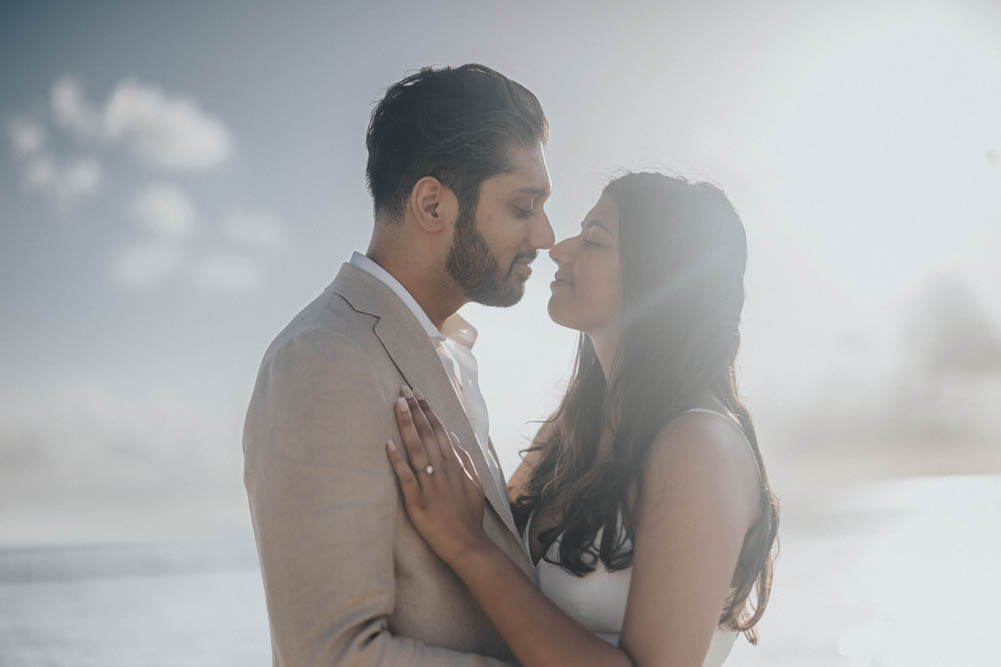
{"x":324,"y":503}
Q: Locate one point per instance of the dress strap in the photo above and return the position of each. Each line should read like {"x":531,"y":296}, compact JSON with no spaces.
{"x":733,"y":420}
{"x":725,"y":416}
{"x":526,"y":536}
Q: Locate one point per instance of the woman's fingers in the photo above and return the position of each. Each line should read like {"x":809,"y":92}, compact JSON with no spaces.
{"x":428,"y":437}
{"x":441,"y":436}
{"x":408,"y":483}
{"x":416,"y":451}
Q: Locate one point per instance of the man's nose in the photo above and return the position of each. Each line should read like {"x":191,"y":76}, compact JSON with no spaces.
{"x":542,"y":233}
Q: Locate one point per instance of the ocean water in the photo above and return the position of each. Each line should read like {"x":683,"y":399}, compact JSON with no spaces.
{"x":139,"y":605}
{"x":905,"y":572}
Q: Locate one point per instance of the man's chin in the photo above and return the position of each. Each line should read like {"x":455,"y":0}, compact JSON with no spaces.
{"x":503,"y":298}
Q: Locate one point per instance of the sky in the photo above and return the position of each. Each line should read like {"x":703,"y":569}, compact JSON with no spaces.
{"x":178,"y":179}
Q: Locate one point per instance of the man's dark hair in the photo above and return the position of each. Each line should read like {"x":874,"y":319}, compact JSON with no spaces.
{"x":455,"y":124}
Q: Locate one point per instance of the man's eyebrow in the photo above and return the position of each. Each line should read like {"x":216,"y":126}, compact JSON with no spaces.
{"x":538,"y":192}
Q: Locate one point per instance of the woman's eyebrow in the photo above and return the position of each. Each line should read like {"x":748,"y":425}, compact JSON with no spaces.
{"x":591,"y":223}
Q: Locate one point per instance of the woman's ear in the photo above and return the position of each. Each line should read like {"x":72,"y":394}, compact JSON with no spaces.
{"x":434,"y":205}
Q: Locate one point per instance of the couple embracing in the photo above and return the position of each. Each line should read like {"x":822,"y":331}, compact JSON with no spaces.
{"x":639,"y":528}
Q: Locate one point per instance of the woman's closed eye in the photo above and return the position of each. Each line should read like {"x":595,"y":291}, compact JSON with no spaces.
{"x":591,"y":238}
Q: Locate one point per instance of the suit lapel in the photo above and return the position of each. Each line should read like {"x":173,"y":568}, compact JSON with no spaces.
{"x":412,"y":351}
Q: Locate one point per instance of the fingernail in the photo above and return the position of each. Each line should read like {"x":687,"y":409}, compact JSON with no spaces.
{"x":402,"y":403}
{"x":456,"y":437}
{"x":406,"y":391}
{"x":418,"y":394}
{"x":392,"y":447}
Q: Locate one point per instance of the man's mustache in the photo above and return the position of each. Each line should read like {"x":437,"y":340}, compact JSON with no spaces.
{"x":530,"y":256}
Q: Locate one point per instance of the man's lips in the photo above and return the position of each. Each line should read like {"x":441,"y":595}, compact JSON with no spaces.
{"x":524,"y":263}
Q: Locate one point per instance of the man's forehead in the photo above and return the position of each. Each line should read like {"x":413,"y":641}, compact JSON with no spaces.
{"x":529,"y":173}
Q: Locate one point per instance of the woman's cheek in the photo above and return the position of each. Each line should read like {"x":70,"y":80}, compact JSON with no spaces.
{"x":613,"y":293}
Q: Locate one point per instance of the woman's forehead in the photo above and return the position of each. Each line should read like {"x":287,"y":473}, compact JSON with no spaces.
{"x":605,"y":213}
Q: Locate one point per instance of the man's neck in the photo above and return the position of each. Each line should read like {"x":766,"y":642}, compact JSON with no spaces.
{"x":438,"y":298}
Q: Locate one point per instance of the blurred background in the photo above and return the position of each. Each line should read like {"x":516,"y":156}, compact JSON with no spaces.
{"x":178,"y":179}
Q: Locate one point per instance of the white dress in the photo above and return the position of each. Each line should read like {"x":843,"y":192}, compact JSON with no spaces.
{"x":598,"y":599}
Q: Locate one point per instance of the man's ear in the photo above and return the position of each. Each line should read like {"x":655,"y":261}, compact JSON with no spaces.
{"x":434,"y":205}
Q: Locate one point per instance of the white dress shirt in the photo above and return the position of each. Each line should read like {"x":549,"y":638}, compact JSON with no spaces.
{"x":454,"y":344}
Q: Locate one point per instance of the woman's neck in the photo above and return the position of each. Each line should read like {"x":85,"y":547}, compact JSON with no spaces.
{"x":605,"y":343}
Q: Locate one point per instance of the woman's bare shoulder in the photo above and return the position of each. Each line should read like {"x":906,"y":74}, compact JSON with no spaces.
{"x":699,"y":451}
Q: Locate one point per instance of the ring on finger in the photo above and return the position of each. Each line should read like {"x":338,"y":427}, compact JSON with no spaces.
{"x":429,"y":470}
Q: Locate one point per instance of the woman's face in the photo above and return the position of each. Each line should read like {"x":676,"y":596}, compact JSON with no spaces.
{"x":587,"y":292}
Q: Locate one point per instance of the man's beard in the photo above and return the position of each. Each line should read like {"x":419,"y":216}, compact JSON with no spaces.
{"x":477,"y":271}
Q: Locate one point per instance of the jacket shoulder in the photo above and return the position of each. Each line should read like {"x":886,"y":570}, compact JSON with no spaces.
{"x":329,"y":322}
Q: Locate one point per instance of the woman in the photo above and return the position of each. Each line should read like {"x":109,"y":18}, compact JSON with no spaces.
{"x":644,"y":502}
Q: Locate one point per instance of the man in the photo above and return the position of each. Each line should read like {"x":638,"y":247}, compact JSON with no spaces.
{"x":458,"y":178}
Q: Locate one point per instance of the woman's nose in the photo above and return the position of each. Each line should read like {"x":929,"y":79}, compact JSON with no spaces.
{"x":561,"y":252}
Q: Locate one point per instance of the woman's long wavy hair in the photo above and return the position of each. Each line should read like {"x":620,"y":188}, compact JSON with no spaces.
{"x":683,"y":252}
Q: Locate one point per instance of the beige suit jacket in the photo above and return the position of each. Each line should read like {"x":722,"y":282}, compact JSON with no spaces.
{"x":348,"y":580}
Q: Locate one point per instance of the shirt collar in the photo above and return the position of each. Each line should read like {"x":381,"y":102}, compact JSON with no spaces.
{"x":458,"y":329}
{"x":455,"y":327}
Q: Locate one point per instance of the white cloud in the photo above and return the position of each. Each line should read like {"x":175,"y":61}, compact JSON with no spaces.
{"x":65,"y":182}
{"x":169,"y":214}
{"x":254,"y":229}
{"x":144,"y":265}
{"x":160,"y":129}
{"x":81,"y":177}
{"x":71,"y":108}
{"x":26,"y":136}
{"x":227,"y":273}
{"x":165,"y":131}
{"x":165,"y":210}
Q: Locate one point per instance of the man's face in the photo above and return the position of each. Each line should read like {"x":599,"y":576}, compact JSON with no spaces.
{"x":490,"y":254}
